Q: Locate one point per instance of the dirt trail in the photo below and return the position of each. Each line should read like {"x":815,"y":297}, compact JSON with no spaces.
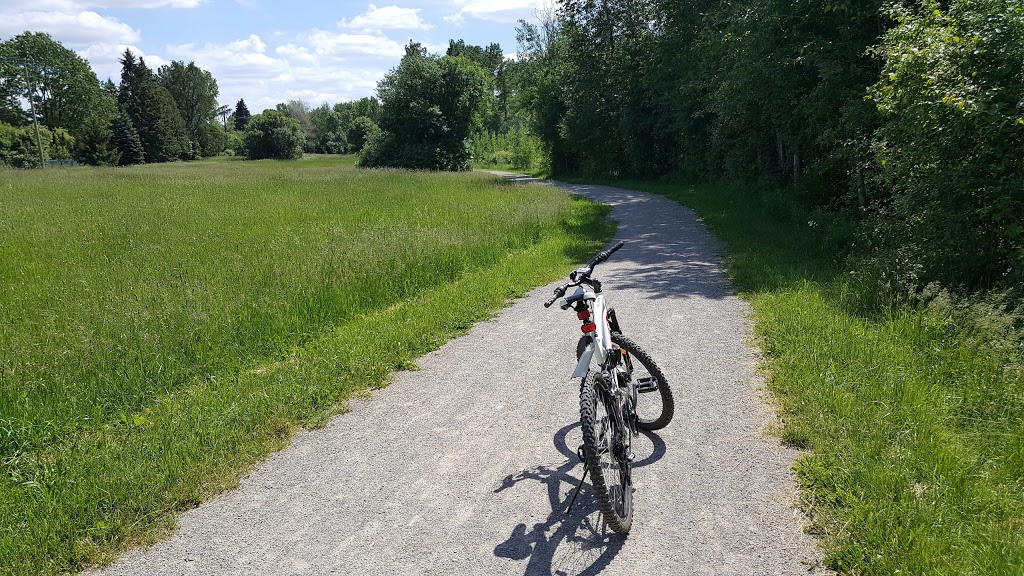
{"x":465,"y":466}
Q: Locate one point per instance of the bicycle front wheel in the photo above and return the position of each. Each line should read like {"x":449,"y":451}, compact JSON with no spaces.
{"x":606,"y":454}
{"x":654,"y":405}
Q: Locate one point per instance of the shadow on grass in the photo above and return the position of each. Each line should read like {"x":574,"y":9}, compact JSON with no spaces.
{"x":578,"y":543}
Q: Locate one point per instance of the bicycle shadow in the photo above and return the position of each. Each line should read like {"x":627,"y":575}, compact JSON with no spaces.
{"x":574,"y":544}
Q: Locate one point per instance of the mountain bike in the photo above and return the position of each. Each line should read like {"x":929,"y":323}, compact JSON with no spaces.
{"x":622,"y":391}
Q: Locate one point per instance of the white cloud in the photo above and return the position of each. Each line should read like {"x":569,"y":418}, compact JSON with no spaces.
{"x":105,"y":59}
{"x":73,"y":29}
{"x":313,"y":65}
{"x":244,"y":58}
{"x":503,"y":11}
{"x":349,"y":46}
{"x":386,"y":18}
{"x":306,"y":68}
{"x":77,"y":5}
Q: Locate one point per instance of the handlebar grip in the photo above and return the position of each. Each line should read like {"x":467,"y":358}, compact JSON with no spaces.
{"x":605,"y":255}
{"x":559,"y":292}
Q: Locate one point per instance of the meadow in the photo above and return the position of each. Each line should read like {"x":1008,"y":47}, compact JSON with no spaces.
{"x":910,"y":410}
{"x":164,"y":327}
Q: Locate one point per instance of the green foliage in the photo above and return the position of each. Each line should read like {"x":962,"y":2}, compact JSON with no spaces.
{"x":60,"y":145}
{"x":95,"y":145}
{"x":369,"y":107}
{"x":921,"y":134}
{"x":361,"y":131}
{"x":18,"y":147}
{"x":430,"y":106}
{"x":205,"y":310}
{"x":63,"y":88}
{"x":330,"y":129}
{"x":195,"y":92}
{"x":273,"y":134}
{"x":242,"y":116}
{"x":212,"y":139}
{"x":950,"y":148}
{"x":126,"y":141}
{"x":299,"y":111}
{"x":236,"y":143}
{"x":518,"y":149}
{"x":153,"y":113}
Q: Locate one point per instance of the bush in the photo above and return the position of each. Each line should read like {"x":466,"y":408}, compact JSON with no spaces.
{"x":950,"y":147}
{"x":236,"y":143}
{"x":18,"y":147}
{"x":430,"y":106}
{"x":212,"y":139}
{"x":272,"y":134}
{"x":361,"y":131}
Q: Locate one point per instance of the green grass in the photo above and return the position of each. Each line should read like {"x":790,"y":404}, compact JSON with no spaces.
{"x":912,"y":416}
{"x":163,"y":328}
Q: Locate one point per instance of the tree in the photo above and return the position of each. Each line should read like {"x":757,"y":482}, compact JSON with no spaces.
{"x":18,"y":147}
{"x":194,"y":91}
{"x":62,"y":87}
{"x":242,"y":115}
{"x":430,"y":107}
{"x":299,"y":111}
{"x":361,"y":131}
{"x":212,"y":139}
{"x":330,"y":129}
{"x":153,"y":112}
{"x":950,"y":145}
{"x":369,"y":107}
{"x":95,"y":145}
{"x":126,"y":142}
{"x":273,"y":134}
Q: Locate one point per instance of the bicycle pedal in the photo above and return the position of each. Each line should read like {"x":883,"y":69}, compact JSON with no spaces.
{"x":646,"y":384}
{"x":580,"y":453}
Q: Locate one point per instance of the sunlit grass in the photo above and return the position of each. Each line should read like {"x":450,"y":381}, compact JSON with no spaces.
{"x":164,"y":327}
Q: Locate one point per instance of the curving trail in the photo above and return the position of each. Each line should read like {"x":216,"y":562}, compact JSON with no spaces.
{"x":465,"y":466}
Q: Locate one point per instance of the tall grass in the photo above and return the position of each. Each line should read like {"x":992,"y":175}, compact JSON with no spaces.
{"x":163,"y":327}
{"x":910,"y":408}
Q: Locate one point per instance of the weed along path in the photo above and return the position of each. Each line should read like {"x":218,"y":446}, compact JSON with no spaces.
{"x":466,"y":465}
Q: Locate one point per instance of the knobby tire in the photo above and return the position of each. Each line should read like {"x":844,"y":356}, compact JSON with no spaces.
{"x":598,"y":425}
{"x":664,"y":393}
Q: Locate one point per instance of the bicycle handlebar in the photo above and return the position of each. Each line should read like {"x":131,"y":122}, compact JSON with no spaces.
{"x":605,"y":255}
{"x":559,"y":292}
{"x":581,"y":274}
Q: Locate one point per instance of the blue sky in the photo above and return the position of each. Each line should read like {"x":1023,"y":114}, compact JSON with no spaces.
{"x":268,"y":51}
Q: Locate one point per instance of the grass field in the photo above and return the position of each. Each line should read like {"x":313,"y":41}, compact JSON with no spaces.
{"x":162,"y":328}
{"x":912,"y":414}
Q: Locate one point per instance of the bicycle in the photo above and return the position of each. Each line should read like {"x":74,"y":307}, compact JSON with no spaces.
{"x":615,"y":374}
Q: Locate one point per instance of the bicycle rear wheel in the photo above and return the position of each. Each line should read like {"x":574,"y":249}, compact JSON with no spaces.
{"x":654,"y":405}
{"x":606,"y":454}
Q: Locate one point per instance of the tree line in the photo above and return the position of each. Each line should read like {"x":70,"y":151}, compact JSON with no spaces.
{"x":168,"y":114}
{"x":906,"y":114}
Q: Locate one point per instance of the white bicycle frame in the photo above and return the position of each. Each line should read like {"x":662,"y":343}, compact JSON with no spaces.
{"x":600,"y":344}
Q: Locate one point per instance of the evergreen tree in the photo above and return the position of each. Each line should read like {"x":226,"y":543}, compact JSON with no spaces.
{"x":95,"y":146}
{"x":153,"y":112}
{"x":242,"y":116}
{"x":126,"y":141}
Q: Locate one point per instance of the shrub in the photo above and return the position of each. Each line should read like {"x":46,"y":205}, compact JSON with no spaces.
{"x":272,"y":134}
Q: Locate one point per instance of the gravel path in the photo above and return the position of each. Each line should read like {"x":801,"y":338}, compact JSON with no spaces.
{"x":465,"y":466}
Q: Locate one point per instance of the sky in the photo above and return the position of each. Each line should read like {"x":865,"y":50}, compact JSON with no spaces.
{"x":268,"y":51}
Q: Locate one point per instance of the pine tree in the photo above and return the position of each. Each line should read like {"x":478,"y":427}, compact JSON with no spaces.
{"x":152,"y":112}
{"x":242,"y":116}
{"x":95,"y":145}
{"x":126,"y":141}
